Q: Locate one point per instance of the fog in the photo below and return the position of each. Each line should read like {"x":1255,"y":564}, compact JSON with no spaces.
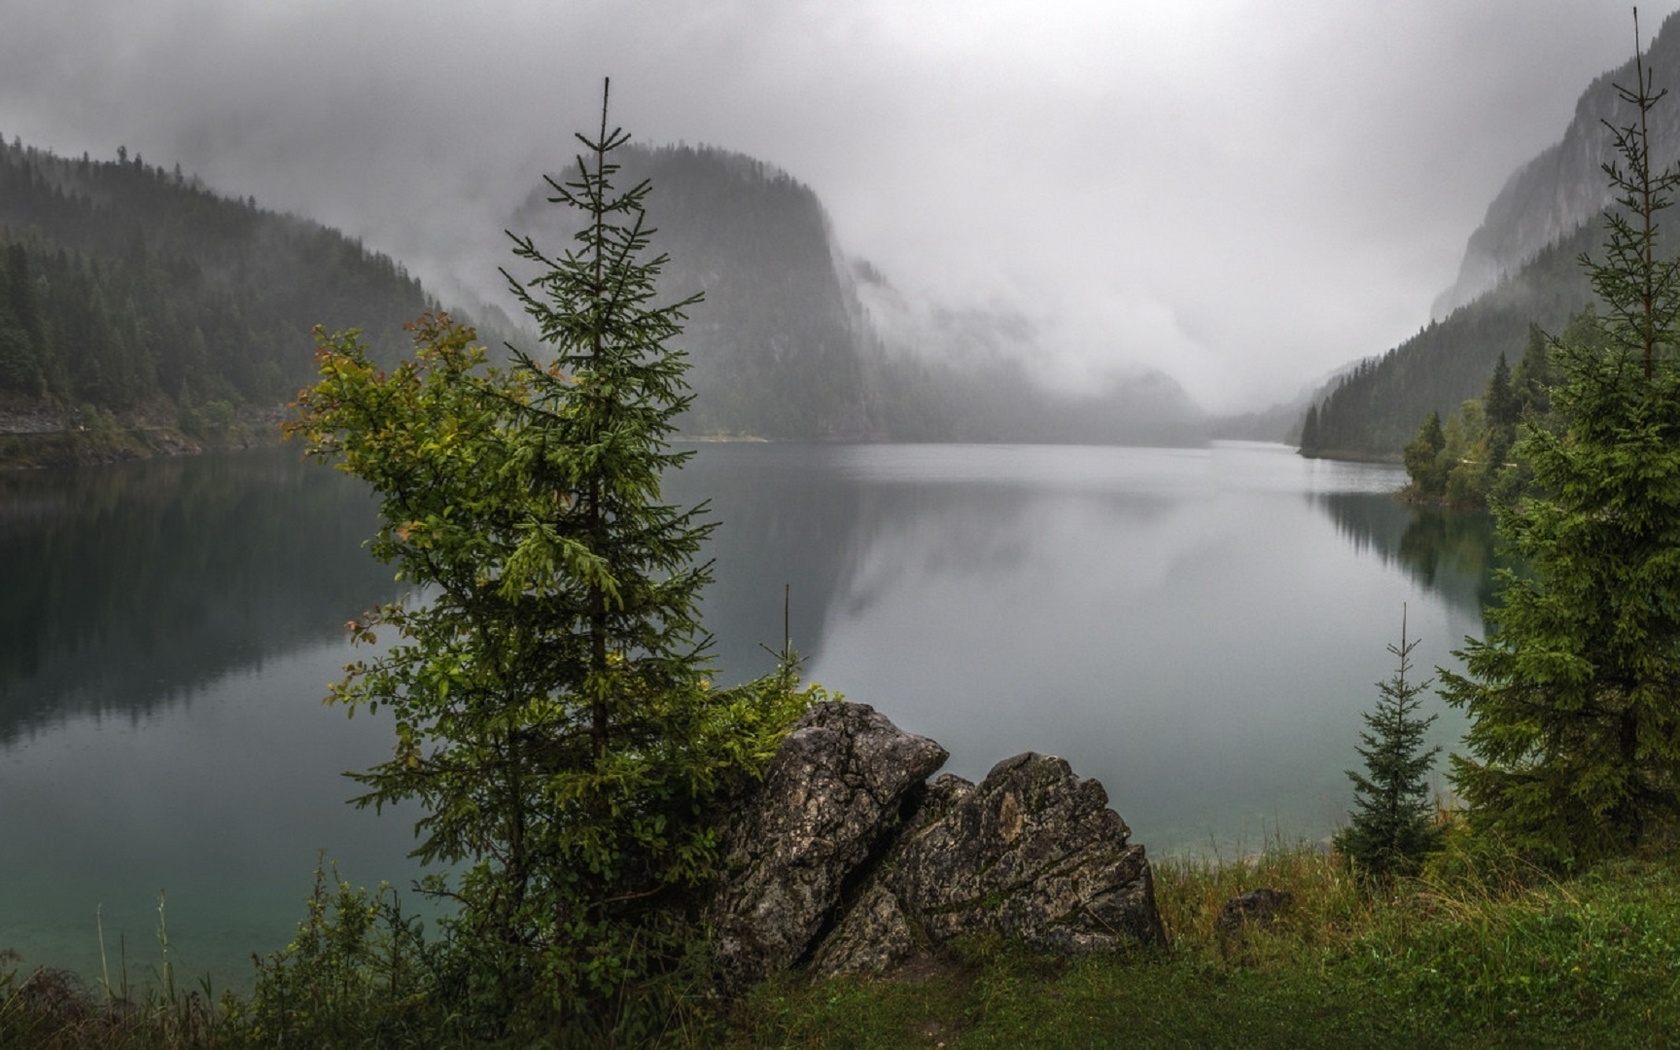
{"x":1245,"y":195}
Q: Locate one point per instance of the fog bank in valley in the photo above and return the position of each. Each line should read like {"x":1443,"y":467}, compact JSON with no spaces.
{"x":1244,"y":196}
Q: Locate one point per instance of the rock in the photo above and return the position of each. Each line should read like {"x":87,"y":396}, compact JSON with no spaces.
{"x":834,"y":790}
{"x":874,"y":936}
{"x":845,"y":857}
{"x":1259,"y":907}
{"x":1033,"y":853}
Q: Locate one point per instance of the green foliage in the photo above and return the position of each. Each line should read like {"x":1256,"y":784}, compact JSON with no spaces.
{"x":1591,"y":957}
{"x":1472,"y":462}
{"x":1469,"y":460}
{"x":1494,"y":954}
{"x":1482,"y":961}
{"x":549,"y":678}
{"x":1575,"y":701}
{"x":1423,"y":459}
{"x":1393,"y":825}
{"x":1532,"y":381}
{"x":356,"y":974}
{"x":1500,"y":401}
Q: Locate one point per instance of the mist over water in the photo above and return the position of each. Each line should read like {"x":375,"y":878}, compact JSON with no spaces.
{"x":1198,"y":628}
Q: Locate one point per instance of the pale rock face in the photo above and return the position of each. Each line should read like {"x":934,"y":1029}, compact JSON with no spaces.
{"x":1563,"y":187}
{"x":847,"y":859}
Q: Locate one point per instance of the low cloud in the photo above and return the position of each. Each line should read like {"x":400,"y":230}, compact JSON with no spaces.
{"x":1243,"y":195}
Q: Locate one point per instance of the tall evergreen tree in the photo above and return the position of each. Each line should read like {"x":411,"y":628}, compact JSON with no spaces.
{"x":1392,"y":829}
{"x":1574,"y":743}
{"x":555,"y":716}
{"x":1533,"y":377}
{"x":1500,"y":400}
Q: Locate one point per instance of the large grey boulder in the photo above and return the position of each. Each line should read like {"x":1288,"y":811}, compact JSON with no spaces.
{"x":847,"y":859}
{"x":1033,"y":853}
{"x":831,"y":796}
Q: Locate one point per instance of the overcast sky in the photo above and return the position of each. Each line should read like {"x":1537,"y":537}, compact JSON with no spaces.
{"x":1244,"y":194}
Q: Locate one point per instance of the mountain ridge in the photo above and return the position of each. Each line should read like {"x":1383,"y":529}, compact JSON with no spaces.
{"x":155,"y":315}
{"x":797,"y":339}
{"x":1563,"y":187}
{"x":1520,"y":272}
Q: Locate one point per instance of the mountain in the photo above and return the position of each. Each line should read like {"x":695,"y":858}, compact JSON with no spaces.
{"x":1520,"y":270}
{"x":1371,"y":411}
{"x":798,"y":340}
{"x":776,"y":347}
{"x":1564,"y":187}
{"x":141,"y":312}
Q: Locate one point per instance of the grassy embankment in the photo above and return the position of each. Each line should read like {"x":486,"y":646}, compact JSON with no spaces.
{"x":1482,"y":951}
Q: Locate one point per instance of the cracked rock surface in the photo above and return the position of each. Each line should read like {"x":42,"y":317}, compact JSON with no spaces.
{"x":848,"y":860}
{"x":830,"y":795}
{"x":1032,"y":852}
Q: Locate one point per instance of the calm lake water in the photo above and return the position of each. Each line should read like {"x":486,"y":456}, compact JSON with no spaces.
{"x":1199,"y":629}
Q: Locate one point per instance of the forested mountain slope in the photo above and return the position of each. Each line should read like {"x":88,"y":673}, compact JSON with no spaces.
{"x":135,"y":294}
{"x":1520,"y":269}
{"x":1372,"y":411}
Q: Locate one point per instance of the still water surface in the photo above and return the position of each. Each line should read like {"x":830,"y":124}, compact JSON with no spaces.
{"x":1199,"y":629}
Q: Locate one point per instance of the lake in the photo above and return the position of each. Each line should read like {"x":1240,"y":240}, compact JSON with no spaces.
{"x":1199,"y":629}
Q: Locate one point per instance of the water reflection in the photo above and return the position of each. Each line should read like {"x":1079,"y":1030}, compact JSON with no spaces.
{"x":1456,"y":552}
{"x":1453,"y":553}
{"x":132,"y":585}
{"x":840,"y":527}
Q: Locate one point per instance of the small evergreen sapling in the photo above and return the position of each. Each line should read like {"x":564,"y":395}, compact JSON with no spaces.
{"x":1392,"y":829}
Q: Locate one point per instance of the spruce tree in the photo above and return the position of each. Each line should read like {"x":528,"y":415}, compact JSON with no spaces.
{"x":1309,"y":431}
{"x":1392,"y":828}
{"x":1574,"y":742}
{"x":555,"y":716}
{"x":1501,"y":400}
{"x":1422,"y":457}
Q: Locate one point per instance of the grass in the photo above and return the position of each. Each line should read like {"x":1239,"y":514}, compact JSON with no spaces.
{"x":50,"y":1009}
{"x":1482,"y":950}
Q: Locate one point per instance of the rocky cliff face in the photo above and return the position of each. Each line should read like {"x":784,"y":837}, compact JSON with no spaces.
{"x":797,"y":340}
{"x":776,"y":348}
{"x":1555,"y":193}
